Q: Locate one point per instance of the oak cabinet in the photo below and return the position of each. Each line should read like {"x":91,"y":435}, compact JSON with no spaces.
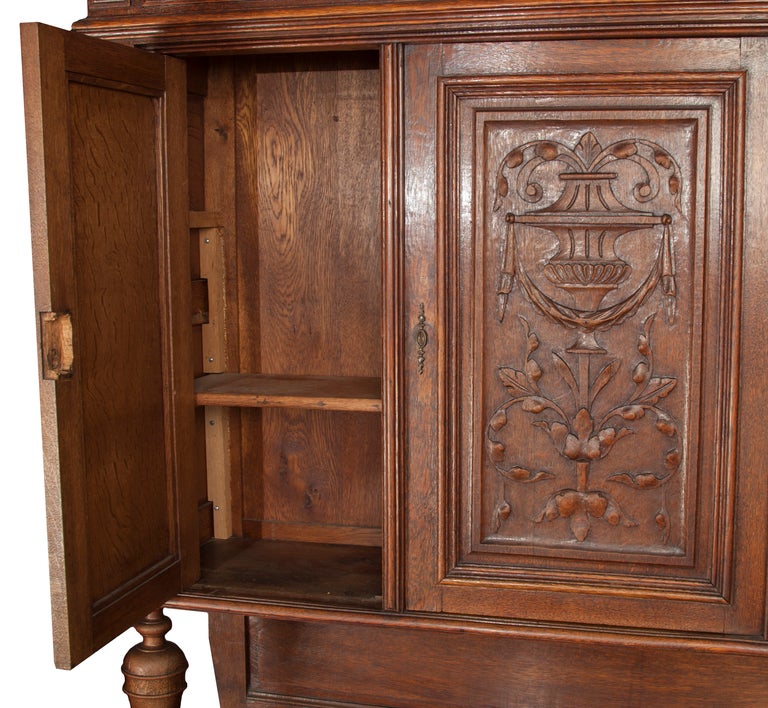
{"x":420,"y":344}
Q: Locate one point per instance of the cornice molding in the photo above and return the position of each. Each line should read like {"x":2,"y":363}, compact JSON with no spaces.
{"x":183,"y":27}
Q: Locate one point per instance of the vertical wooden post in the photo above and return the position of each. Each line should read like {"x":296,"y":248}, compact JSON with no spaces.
{"x":154,"y":670}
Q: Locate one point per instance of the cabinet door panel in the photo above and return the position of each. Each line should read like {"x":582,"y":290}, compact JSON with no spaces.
{"x":585,"y":229}
{"x":108,"y":205}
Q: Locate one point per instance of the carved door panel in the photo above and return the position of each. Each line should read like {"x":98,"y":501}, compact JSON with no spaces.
{"x":584,"y":230}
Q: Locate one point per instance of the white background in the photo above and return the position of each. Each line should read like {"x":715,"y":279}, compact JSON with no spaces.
{"x":26,"y":657}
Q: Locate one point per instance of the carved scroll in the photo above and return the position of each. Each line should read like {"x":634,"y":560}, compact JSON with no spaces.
{"x":604,"y":408}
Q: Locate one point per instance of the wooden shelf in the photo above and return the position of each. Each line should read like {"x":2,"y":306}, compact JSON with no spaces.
{"x":335,"y":393}
{"x":315,"y":573}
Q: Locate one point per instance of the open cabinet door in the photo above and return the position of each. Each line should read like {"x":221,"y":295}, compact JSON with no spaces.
{"x":106,"y":134}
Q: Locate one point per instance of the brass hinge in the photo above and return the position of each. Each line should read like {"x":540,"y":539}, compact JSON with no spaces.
{"x":56,"y":341}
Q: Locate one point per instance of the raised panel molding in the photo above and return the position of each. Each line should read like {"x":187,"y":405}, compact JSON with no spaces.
{"x":593,"y":239}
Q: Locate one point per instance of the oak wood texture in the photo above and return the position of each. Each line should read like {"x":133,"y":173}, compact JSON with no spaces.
{"x":336,"y":663}
{"x":56,"y":345}
{"x":104,"y":255}
{"x":190,"y":27}
{"x":333,"y":393}
{"x":308,"y":296}
{"x":493,"y":537}
{"x":155,"y":669}
{"x":308,"y":573}
{"x":218,"y":445}
{"x":229,"y":656}
{"x":510,"y":543}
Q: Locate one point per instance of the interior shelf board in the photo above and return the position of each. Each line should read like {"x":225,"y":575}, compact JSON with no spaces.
{"x":316,"y":573}
{"x":338,"y":393}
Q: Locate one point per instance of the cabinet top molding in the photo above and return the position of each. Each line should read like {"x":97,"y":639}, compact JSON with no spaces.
{"x":204,"y":26}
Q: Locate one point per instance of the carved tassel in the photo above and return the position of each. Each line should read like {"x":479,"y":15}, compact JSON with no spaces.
{"x":668,"y":271}
{"x":507,"y":274}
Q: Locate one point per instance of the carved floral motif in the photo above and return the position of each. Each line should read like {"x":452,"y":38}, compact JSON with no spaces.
{"x":585,"y":431}
{"x":587,"y":218}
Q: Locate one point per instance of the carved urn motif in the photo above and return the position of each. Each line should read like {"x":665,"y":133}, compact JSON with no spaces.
{"x":587,"y":217}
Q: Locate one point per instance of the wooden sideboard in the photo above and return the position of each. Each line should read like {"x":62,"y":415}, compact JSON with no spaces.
{"x":421,"y":344}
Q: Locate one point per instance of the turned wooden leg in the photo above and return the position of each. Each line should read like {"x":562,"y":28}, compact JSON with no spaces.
{"x":154,"y":670}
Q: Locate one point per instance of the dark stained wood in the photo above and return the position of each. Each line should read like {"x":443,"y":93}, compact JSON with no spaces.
{"x":313,"y":532}
{"x":536,"y":523}
{"x":423,"y":448}
{"x":403,"y":666}
{"x":412,"y":203}
{"x":393,"y":307}
{"x":309,"y":246}
{"x":309,"y":281}
{"x":320,"y":470}
{"x":99,"y":180}
{"x":333,"y":393}
{"x":230,"y":661}
{"x":316,"y":573}
{"x":189,"y":27}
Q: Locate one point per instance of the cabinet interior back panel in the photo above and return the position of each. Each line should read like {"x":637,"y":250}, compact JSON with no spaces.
{"x":309,"y":281}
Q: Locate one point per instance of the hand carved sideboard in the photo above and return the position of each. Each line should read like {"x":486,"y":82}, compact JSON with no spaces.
{"x":421,"y":344}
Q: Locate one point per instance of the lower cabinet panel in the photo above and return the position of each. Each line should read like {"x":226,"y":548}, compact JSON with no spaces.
{"x":295,"y":663}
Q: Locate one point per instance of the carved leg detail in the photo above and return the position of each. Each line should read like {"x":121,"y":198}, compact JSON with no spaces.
{"x":154,"y":670}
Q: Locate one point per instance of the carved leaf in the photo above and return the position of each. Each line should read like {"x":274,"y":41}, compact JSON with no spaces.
{"x":557,"y":431}
{"x":583,"y":423}
{"x":624,"y":149}
{"x":496,"y":450}
{"x":547,"y":150}
{"x":666,"y":425}
{"x":639,"y":480}
{"x":502,"y":513}
{"x":499,"y":420}
{"x":513,"y":159}
{"x":534,"y":404}
{"x":577,"y":507}
{"x":579,"y":523}
{"x":604,"y":377}
{"x":572,"y":447}
{"x":568,"y":502}
{"x":588,"y":148}
{"x":644,"y":340}
{"x":516,"y":382}
{"x":595,"y":503}
{"x":607,"y":438}
{"x":533,"y":343}
{"x":567,"y":375}
{"x":549,"y":512}
{"x":533,"y":370}
{"x":640,"y":373}
{"x":632,"y":412}
{"x":521,"y":474}
{"x":657,"y":388}
{"x":662,"y":158}
{"x":615,"y":516}
{"x":593,"y":449}
{"x":672,"y":460}
{"x":502,"y":189}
